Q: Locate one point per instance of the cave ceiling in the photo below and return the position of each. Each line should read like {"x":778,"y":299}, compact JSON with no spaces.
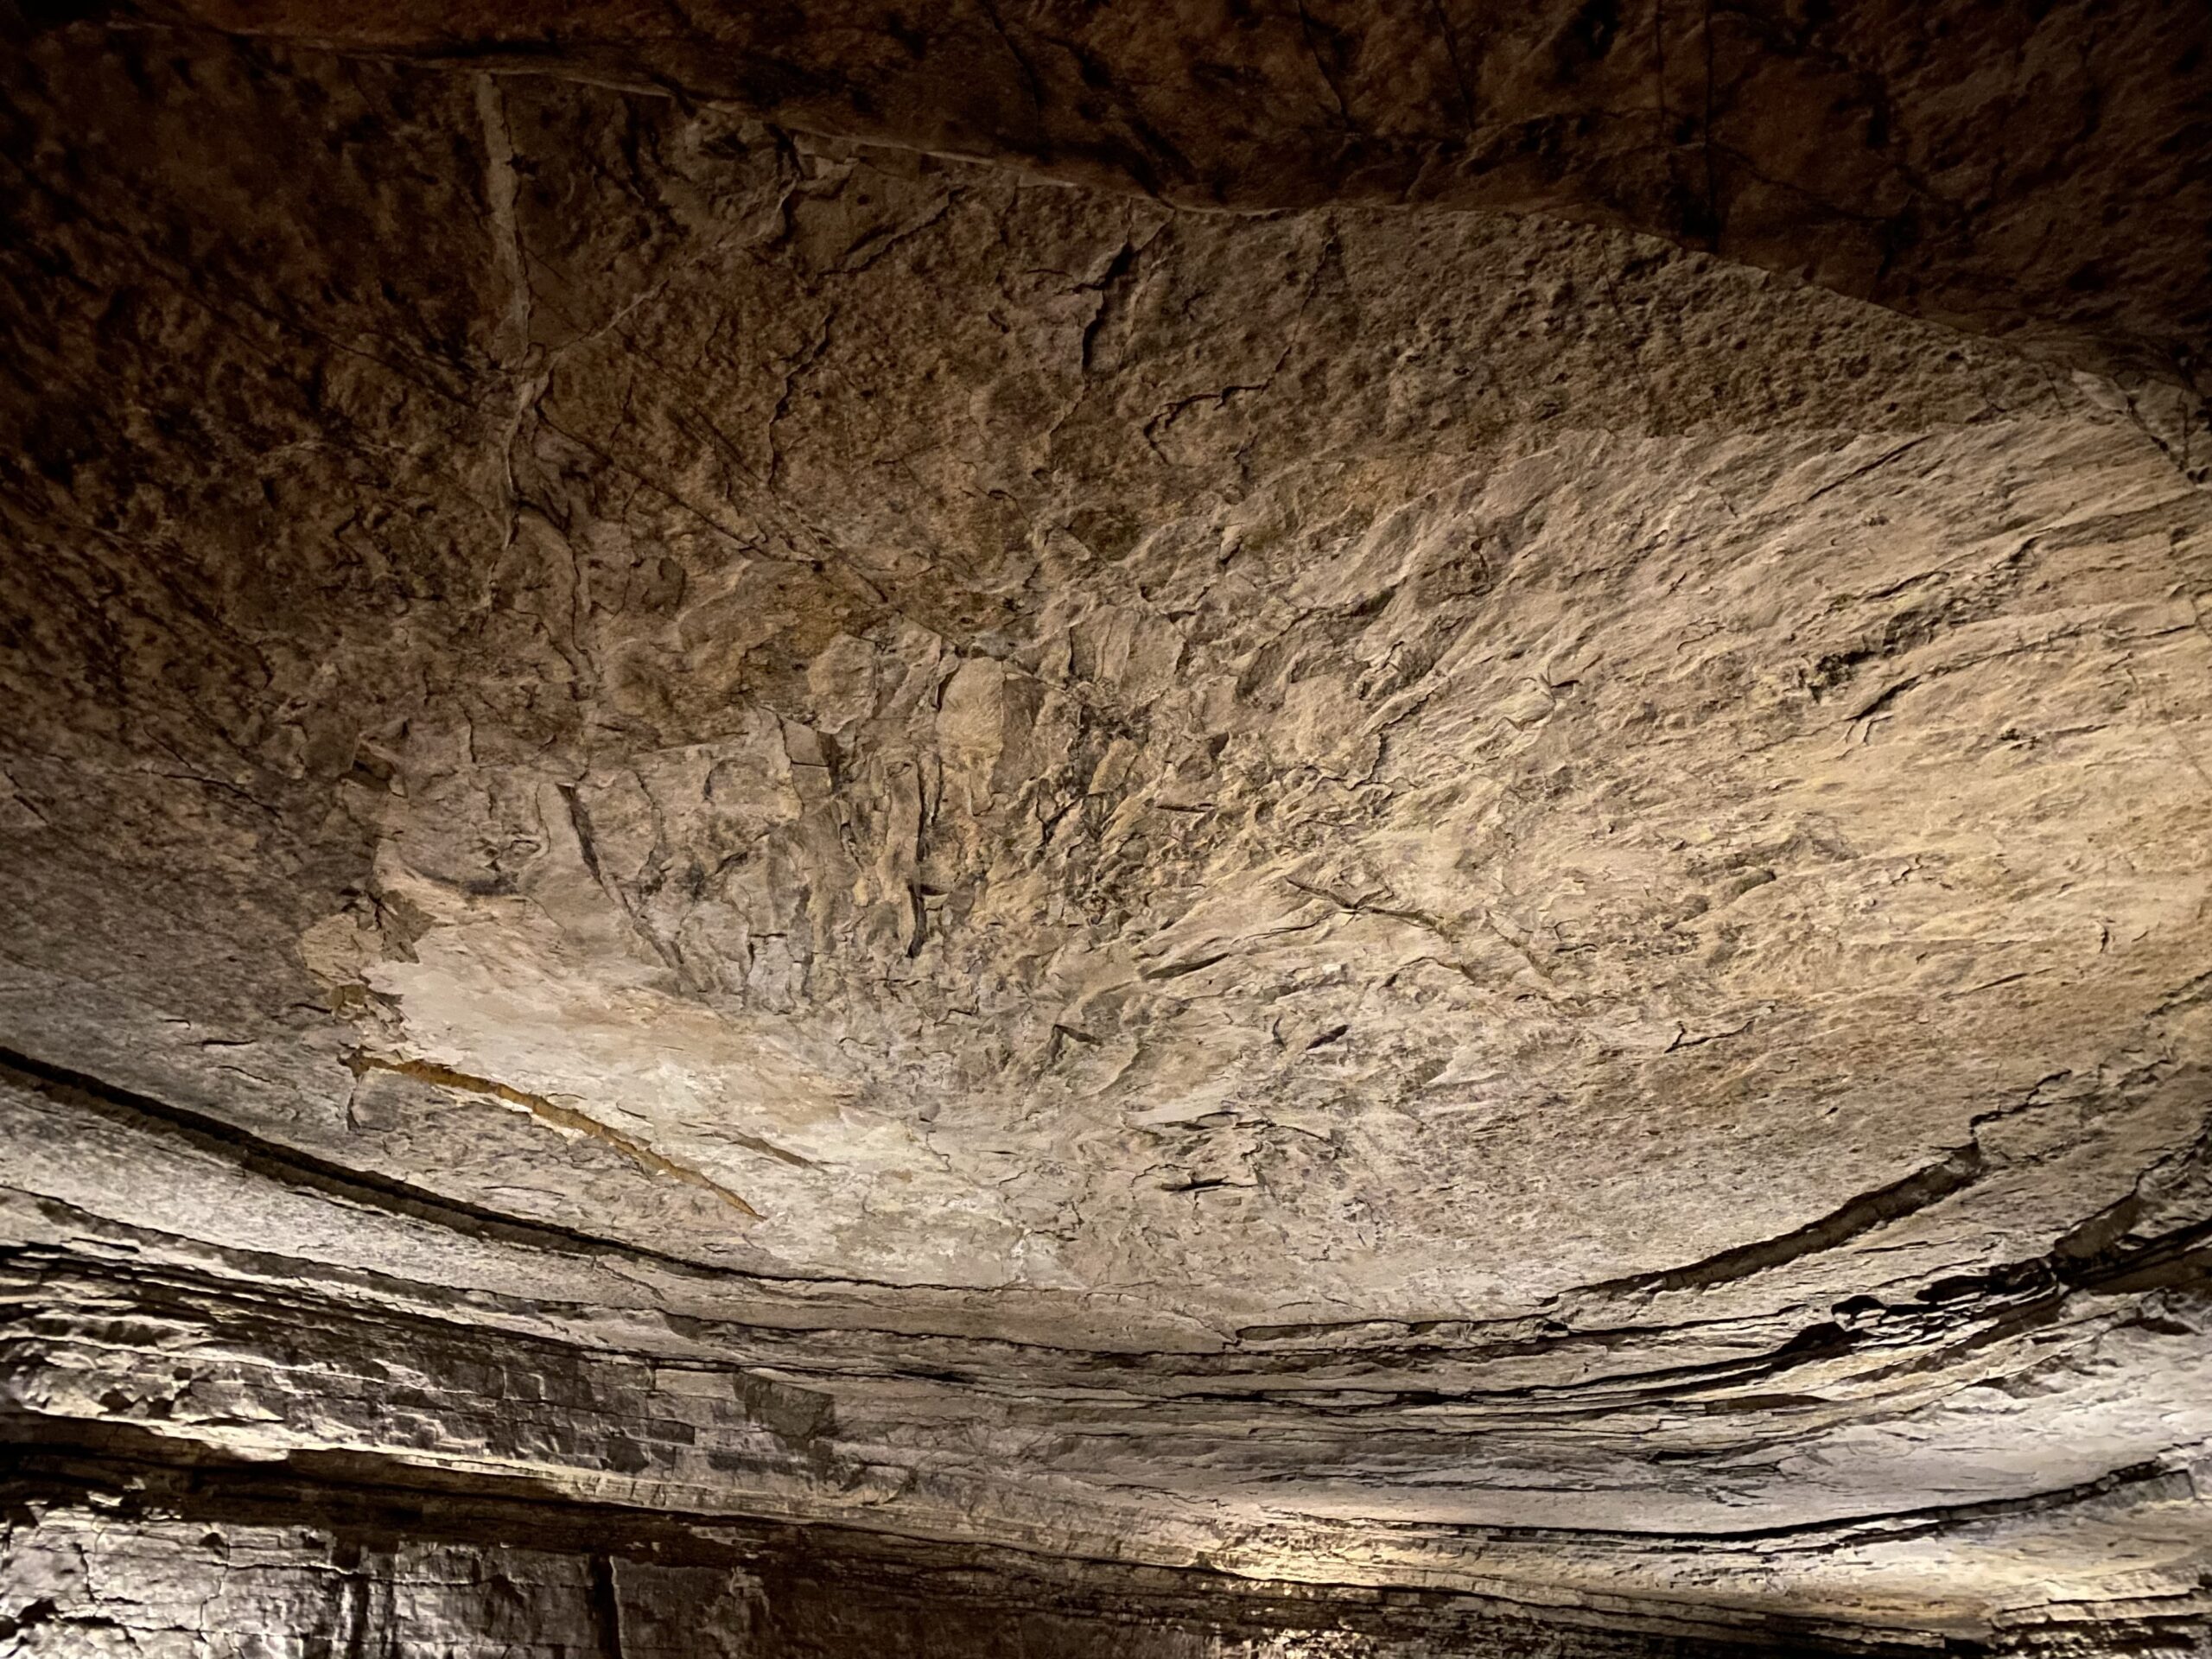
{"x":1015,"y":783}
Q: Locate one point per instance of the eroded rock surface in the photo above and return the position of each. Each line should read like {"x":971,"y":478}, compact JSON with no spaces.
{"x":2041,"y":171}
{"x":131,"y":1564}
{"x":758,"y":826}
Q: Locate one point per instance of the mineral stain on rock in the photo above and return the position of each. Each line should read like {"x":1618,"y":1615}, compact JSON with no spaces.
{"x":565,"y":1118}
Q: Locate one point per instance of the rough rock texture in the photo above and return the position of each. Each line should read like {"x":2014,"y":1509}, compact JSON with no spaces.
{"x":2045,"y":171}
{"x":133,"y":1561}
{"x":753,"y":826}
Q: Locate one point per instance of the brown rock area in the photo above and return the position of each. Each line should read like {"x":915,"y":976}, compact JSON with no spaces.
{"x":828,"y":834}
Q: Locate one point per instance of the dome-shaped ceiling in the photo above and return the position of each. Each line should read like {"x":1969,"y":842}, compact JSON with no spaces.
{"x":738,"y":820}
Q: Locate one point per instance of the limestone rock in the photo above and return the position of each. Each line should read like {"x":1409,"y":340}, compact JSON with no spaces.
{"x":703,"y":813}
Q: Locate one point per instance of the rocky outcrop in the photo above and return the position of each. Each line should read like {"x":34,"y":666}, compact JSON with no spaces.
{"x":136,"y":1558}
{"x":758,"y":827}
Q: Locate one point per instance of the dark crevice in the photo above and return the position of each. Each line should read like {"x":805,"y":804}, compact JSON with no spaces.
{"x":1953,"y":1174}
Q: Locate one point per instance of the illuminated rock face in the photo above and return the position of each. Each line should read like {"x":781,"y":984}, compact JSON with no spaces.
{"x":1499,"y":928}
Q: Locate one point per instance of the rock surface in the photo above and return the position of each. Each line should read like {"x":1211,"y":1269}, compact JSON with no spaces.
{"x":2040,"y":171}
{"x":753,"y":824}
{"x":130,"y":1565}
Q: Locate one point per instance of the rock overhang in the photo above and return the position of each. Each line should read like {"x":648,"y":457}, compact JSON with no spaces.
{"x":1224,"y":885}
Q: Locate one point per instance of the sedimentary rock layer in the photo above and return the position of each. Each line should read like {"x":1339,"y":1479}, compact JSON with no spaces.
{"x":136,"y":1556}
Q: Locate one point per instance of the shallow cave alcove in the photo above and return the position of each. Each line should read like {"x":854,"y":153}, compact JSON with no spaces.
{"x":1334,"y":829}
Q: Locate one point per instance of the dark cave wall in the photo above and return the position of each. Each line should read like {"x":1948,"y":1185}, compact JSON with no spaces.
{"x":1943,"y":158}
{"x":262,"y":286}
{"x":113,"y":1555}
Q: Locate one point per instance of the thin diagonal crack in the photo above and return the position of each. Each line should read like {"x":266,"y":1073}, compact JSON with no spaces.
{"x":562,"y":1117}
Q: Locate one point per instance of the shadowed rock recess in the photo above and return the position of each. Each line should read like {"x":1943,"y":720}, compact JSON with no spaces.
{"x":1372,"y":831}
